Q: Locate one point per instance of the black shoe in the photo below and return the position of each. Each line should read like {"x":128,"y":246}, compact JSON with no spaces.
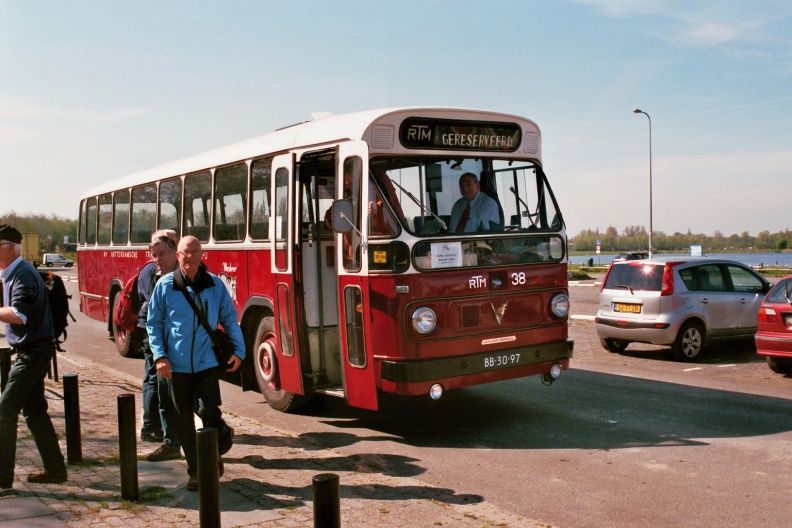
{"x":224,"y":446}
{"x":164,"y":452}
{"x":45,"y":477}
{"x":192,"y":484}
{"x":4,"y":486}
{"x":155,"y":436}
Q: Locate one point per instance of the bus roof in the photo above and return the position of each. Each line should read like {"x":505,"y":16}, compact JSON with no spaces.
{"x":322,"y":129}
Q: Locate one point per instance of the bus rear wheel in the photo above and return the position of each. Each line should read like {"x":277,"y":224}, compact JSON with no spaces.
{"x":266,"y":367}
{"x":125,"y":342}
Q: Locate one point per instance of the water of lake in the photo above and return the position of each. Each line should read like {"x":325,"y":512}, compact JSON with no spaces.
{"x":751,"y":259}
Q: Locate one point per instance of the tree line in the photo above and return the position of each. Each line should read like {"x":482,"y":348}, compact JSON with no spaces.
{"x":636,"y":238}
{"x":51,"y":230}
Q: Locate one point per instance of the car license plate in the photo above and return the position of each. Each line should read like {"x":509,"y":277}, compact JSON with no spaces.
{"x":788,"y":320}
{"x":627,"y":308}
{"x":507,"y":359}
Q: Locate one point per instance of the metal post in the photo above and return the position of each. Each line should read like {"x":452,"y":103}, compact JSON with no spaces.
{"x":71,"y":409}
{"x":127,"y":447}
{"x":327,"y":500}
{"x":208,"y":478}
{"x":638,"y":111}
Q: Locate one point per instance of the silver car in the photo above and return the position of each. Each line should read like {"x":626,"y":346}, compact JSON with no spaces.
{"x":681,"y":302}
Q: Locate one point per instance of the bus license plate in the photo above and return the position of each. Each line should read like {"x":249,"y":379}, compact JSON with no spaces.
{"x":496,"y":361}
{"x":627,"y":308}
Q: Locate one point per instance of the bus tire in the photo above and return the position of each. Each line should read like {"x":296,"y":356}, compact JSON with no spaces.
{"x":125,"y":342}
{"x":266,"y":367}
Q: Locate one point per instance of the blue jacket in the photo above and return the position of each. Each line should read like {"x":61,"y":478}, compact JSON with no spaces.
{"x":174,"y":330}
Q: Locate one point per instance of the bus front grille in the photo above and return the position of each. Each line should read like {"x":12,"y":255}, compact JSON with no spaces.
{"x":470,"y":316}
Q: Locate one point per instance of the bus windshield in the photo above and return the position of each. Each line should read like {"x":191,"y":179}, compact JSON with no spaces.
{"x":433,"y":196}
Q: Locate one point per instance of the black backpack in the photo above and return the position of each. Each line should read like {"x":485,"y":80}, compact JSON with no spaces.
{"x":59,"y":304}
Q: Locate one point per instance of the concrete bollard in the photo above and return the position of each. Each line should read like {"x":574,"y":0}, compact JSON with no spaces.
{"x":71,"y":410}
{"x":327,"y":500}
{"x":208,"y":478}
{"x":127,"y":447}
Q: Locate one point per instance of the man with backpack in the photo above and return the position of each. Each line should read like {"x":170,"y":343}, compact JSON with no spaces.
{"x":160,"y":420}
{"x":30,"y":333}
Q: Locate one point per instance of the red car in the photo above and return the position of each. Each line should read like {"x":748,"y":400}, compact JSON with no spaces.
{"x":774,"y":335}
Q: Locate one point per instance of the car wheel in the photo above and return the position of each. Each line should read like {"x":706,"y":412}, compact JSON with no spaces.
{"x":689,"y":342}
{"x":617,"y":346}
{"x":780,"y":365}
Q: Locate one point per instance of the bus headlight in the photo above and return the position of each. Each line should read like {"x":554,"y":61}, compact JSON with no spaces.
{"x":559,"y":305}
{"x":424,"y":320}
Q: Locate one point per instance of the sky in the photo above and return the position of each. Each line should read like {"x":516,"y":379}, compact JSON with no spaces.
{"x":93,"y":90}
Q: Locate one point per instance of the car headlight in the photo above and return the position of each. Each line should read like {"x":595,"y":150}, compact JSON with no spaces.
{"x":559,"y":305}
{"x":424,"y":320}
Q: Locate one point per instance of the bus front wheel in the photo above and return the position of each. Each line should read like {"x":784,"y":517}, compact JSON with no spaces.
{"x":266,"y":367}
{"x":125,"y":342}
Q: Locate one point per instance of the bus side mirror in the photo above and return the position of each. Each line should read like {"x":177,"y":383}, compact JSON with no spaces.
{"x":342,"y":216}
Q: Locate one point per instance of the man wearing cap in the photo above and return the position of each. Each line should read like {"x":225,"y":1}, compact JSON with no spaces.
{"x":30,"y":333}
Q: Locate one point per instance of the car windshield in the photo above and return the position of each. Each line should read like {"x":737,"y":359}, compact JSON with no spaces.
{"x":433,"y":196}
{"x":635,"y":277}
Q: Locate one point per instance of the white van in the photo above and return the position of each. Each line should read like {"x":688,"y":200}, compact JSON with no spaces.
{"x":54,"y":259}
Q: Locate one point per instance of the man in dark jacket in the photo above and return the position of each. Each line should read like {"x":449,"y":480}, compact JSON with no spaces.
{"x":30,"y":333}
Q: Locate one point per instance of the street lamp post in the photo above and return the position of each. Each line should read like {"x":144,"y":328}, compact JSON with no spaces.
{"x":638,"y":111}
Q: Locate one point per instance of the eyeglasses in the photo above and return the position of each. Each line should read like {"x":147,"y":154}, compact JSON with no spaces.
{"x":7,"y":244}
{"x":191,"y":253}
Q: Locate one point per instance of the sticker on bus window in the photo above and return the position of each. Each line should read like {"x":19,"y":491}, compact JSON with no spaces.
{"x":446,"y":254}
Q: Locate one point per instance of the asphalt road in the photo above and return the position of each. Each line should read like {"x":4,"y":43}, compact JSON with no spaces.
{"x":630,"y":440}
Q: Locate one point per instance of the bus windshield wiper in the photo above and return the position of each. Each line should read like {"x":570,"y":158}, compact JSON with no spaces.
{"x":419,"y":204}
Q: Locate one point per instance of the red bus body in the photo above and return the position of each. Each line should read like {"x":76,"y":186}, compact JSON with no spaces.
{"x":394,"y":302}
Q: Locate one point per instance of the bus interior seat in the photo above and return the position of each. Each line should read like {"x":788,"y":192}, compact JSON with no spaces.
{"x":199,"y":232}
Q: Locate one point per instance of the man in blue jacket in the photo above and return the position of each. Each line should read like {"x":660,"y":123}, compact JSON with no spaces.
{"x":30,"y":333}
{"x":182,"y":349}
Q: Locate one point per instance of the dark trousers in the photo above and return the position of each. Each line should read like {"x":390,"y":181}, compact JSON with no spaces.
{"x":186,"y":389}
{"x":159,"y":412}
{"x":25,"y":392}
{"x":152,"y":422}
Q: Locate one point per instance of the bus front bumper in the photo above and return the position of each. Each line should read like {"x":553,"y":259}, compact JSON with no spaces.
{"x":416,"y":377}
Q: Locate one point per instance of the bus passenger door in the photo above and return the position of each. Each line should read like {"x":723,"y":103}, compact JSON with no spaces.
{"x":282,"y":228}
{"x":360,"y":388}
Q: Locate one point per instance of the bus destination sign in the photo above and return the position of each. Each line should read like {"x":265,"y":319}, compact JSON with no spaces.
{"x":424,"y":133}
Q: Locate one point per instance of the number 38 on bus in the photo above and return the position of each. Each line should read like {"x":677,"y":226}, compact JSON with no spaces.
{"x":403,"y":251}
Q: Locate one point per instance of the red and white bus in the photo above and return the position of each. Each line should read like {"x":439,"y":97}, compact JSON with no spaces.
{"x":335,"y":240}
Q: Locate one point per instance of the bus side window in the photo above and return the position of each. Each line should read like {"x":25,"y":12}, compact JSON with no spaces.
{"x":197,"y":190}
{"x":261,"y":176}
{"x":121,"y":218}
{"x":170,"y":205}
{"x":90,"y":221}
{"x":230,"y":203}
{"x":144,"y":211}
{"x":105,"y":219}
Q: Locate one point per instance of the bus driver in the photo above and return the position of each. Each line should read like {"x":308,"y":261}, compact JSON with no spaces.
{"x":475,"y":211}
